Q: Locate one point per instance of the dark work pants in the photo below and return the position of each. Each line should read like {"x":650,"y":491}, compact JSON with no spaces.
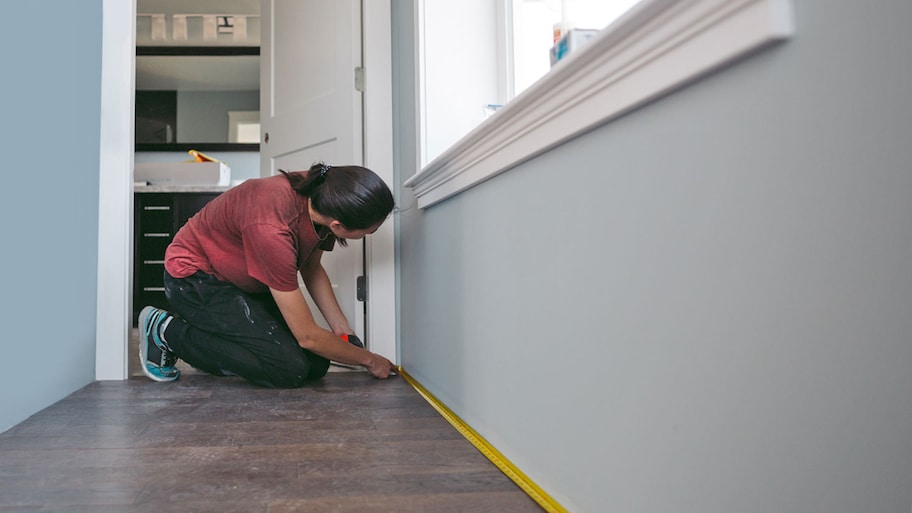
{"x":221,"y":329}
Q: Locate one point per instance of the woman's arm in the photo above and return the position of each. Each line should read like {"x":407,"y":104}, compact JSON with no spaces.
{"x":312,"y":337}
{"x":320,"y":288}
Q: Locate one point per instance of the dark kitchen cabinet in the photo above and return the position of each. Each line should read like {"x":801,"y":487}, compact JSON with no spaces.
{"x":157,"y":216}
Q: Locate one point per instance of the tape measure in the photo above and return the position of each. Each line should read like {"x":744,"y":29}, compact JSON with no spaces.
{"x":499,"y":460}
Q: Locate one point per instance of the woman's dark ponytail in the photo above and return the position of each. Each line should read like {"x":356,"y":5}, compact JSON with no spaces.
{"x":305,"y":183}
{"x":353,"y":195}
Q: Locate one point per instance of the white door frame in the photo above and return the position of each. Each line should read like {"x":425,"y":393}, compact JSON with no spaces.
{"x":115,"y":190}
{"x":379,"y":260}
{"x":115,"y":212}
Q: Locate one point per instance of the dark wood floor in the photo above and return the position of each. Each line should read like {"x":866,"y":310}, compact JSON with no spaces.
{"x":348,"y":443}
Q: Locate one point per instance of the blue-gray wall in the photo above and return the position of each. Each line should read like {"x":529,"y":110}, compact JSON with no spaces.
{"x":202,"y":116}
{"x":704,"y":306}
{"x":51,"y":55}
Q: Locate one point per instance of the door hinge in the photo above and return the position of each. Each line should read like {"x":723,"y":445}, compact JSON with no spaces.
{"x":361,"y":289}
{"x":359,"y":79}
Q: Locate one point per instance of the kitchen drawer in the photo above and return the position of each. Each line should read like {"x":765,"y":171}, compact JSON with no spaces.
{"x":157,"y":218}
{"x":190,"y":203}
{"x":151,"y":296}
{"x":152,"y":245}
{"x":156,"y":213}
{"x":152,"y":274}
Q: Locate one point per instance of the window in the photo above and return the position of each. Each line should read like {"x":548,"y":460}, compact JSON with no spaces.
{"x":651,"y":49}
{"x":477,"y":55}
{"x":244,"y":126}
{"x":536,"y":24}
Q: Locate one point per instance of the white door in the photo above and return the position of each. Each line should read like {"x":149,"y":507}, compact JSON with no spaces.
{"x":310,"y":110}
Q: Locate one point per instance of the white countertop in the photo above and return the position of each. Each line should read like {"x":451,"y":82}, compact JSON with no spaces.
{"x":137,"y":187}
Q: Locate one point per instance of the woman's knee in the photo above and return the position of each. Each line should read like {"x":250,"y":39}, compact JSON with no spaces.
{"x":289,"y":375}
{"x":318,"y":366}
{"x":295,"y":372}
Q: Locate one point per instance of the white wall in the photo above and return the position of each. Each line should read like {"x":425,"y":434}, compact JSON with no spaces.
{"x":50,"y":204}
{"x":703,"y":306}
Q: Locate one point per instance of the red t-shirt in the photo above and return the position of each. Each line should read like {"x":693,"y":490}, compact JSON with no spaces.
{"x":256,"y":235}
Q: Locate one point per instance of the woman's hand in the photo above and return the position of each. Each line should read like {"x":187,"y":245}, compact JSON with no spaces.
{"x":312,"y":337}
{"x":380,"y":367}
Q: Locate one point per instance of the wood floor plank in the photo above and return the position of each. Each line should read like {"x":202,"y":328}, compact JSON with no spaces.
{"x":346,"y":443}
{"x":473,"y":502}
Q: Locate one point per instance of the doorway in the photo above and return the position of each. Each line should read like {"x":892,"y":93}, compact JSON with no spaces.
{"x":115,"y":259}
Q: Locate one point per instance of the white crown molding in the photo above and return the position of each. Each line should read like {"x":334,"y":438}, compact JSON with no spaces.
{"x":656,"y":47}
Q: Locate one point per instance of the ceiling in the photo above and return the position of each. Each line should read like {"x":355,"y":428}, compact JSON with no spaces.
{"x":197,"y":73}
{"x":192,"y":12}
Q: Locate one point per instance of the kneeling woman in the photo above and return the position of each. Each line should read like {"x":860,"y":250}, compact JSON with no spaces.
{"x":231,"y":278}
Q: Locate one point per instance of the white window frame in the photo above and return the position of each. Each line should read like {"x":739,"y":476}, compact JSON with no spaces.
{"x":656,"y":47}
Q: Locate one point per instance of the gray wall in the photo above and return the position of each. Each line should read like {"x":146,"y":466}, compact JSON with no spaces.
{"x":202,"y":116}
{"x":704,"y":306}
{"x":50,"y":145}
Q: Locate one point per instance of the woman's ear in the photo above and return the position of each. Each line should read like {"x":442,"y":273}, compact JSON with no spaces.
{"x":335,"y":224}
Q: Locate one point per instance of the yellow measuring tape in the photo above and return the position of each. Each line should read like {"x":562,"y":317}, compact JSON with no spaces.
{"x":522,"y":480}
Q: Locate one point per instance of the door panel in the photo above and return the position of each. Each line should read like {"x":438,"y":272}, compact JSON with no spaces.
{"x":308,"y":104}
{"x":310,"y":110}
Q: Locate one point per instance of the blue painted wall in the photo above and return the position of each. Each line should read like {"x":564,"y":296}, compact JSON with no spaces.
{"x":51,"y":55}
{"x":703,"y":306}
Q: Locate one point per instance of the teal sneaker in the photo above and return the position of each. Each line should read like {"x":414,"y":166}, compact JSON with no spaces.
{"x":155,"y":356}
